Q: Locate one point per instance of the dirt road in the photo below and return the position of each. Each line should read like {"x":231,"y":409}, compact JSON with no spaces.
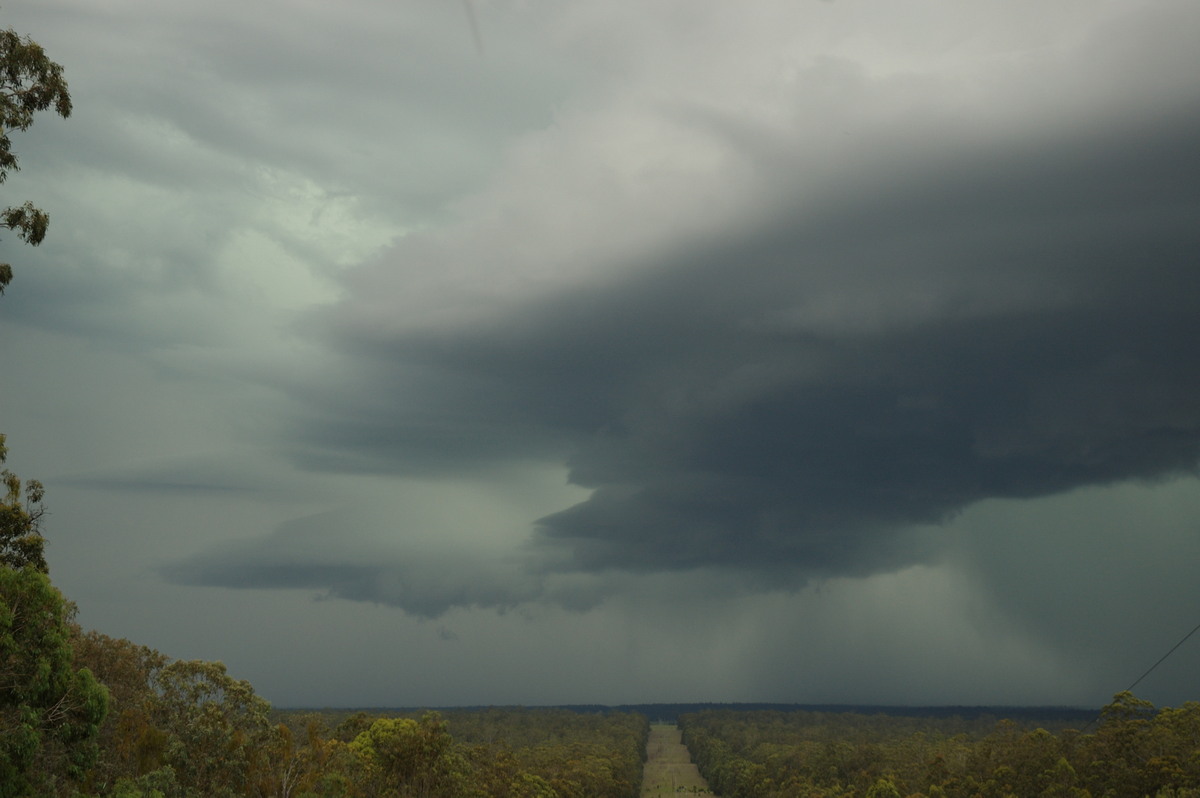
{"x":669,"y":770}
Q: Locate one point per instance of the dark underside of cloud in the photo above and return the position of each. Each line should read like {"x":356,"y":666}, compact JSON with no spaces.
{"x":1015,"y":323}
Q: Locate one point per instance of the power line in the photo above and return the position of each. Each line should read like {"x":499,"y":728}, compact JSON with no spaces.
{"x":1136,"y":681}
{"x":1150,"y":670}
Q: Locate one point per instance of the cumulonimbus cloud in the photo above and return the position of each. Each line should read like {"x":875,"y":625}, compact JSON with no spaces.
{"x":873,"y":334}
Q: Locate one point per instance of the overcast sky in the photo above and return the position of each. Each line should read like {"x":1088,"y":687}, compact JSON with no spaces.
{"x":634,"y":351}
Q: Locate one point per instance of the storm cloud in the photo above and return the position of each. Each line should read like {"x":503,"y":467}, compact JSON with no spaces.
{"x":657,"y":342}
{"x":952,"y":309}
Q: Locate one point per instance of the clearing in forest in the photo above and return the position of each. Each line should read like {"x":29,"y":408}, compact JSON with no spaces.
{"x":669,"y":770}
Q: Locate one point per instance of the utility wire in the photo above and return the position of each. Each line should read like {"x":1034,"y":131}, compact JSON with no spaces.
{"x":1136,"y":681}
{"x":1150,"y":670}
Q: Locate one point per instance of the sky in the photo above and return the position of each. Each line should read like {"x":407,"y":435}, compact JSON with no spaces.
{"x":624,"y":352}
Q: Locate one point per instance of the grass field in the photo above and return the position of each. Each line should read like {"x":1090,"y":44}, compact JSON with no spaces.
{"x":669,"y":770}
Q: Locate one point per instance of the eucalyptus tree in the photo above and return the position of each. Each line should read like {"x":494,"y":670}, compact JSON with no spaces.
{"x":50,"y":711}
{"x":29,"y":82}
{"x":21,"y":510}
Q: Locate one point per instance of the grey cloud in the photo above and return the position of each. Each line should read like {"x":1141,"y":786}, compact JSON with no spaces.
{"x":215,"y":119}
{"x":200,"y":474}
{"x":904,"y":309}
{"x":335,"y":555}
{"x":1115,"y":560}
{"x":424,"y":589}
{"x":1014,"y":325}
{"x":244,"y":81}
{"x":837,"y":317}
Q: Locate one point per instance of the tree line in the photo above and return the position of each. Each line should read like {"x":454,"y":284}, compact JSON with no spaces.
{"x":136,"y":724}
{"x":1133,"y":750}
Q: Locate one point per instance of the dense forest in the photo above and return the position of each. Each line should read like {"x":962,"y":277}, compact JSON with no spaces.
{"x":85,"y":714}
{"x":1132,"y":749}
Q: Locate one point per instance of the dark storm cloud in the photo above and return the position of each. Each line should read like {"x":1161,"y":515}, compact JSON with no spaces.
{"x":777,"y":291}
{"x":1015,"y":323}
{"x":787,"y":352}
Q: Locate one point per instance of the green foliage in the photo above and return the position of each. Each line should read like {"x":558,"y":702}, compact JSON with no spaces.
{"x":186,"y":728}
{"x":493,"y":753}
{"x":527,"y":785}
{"x":50,"y":712}
{"x":212,"y":726}
{"x":159,"y":783}
{"x":21,"y":511}
{"x":402,"y":756}
{"x":130,"y":746}
{"x":575,"y":754}
{"x":883,"y":788}
{"x":1135,"y":751}
{"x":29,"y":82}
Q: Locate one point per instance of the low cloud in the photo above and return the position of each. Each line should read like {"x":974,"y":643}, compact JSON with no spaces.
{"x":341,"y":555}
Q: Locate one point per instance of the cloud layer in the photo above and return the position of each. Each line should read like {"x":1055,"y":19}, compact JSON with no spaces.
{"x":664,"y":342}
{"x":778,"y":345}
